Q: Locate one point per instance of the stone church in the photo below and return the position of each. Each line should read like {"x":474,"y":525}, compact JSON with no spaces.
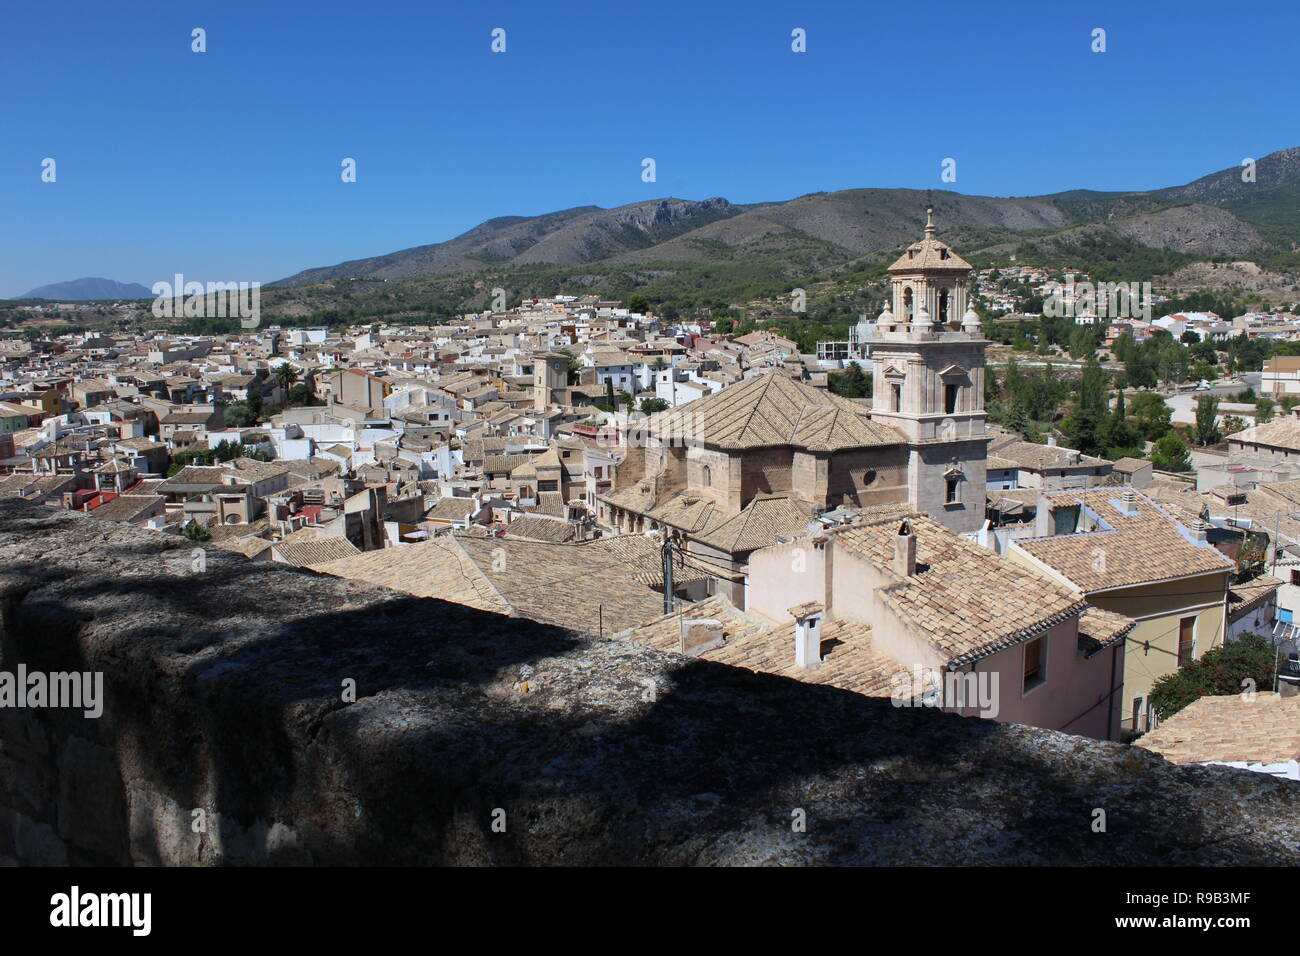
{"x":737,"y":470}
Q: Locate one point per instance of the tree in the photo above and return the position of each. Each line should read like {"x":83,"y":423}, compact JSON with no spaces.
{"x":1233,"y":424}
{"x":196,"y":532}
{"x":1170,"y":454}
{"x":851,"y":383}
{"x":1207,"y":420}
{"x":1264,"y":407}
{"x":638,"y":303}
{"x":285,"y":375}
{"x":609,"y":404}
{"x":300,"y":394}
{"x":651,"y":405}
{"x":1219,"y":672}
{"x":1086,"y":425}
{"x":1151,"y":415}
{"x":1017,"y":421}
{"x":1121,"y":439}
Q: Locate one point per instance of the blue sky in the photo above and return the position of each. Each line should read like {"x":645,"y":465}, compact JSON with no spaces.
{"x":225,"y":165}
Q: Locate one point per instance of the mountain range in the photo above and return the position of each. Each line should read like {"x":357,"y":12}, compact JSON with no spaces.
{"x":85,"y":290}
{"x":1215,"y":216}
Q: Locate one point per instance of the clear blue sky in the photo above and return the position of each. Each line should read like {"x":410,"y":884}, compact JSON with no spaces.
{"x":225,"y":165}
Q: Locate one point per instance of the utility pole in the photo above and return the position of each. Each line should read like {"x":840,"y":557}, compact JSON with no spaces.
{"x":668,"y":572}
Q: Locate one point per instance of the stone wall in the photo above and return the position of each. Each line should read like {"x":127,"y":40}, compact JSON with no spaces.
{"x":223,"y":690}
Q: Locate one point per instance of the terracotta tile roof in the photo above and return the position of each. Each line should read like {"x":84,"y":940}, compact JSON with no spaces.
{"x":570,"y":585}
{"x":1140,"y":548}
{"x":1263,"y":730}
{"x":968,"y":601}
{"x":1098,"y":629}
{"x":932,"y":254}
{"x":773,"y":410}
{"x":1246,"y":595}
{"x":126,"y":507}
{"x":759,"y":524}
{"x":541,"y":529}
{"x":306,"y":551}
{"x":1014,"y":452}
{"x":848,"y":658}
{"x":1279,"y":433}
{"x":451,"y":507}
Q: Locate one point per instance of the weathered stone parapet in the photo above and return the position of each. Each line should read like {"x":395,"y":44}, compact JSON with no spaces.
{"x":225,"y":695}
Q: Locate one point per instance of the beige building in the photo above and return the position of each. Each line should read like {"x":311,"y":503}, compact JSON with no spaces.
{"x":734,"y":471}
{"x":1125,"y":554}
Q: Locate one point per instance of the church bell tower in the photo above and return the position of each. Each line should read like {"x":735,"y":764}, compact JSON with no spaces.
{"x":927,"y":358}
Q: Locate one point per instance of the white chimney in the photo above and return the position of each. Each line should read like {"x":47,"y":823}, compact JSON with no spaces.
{"x":807,"y":634}
{"x":904,"y":551}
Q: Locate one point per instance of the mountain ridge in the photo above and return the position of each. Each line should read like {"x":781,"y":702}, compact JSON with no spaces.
{"x":89,"y":289}
{"x":1215,"y":215}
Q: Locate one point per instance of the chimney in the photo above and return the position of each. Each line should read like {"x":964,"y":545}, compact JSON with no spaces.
{"x":1051,"y":441}
{"x":807,"y":634}
{"x":905,"y":551}
{"x":1130,"y":502}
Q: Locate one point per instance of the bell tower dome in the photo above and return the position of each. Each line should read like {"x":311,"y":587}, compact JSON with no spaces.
{"x":930,"y":283}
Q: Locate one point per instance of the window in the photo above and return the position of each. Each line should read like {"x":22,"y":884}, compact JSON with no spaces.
{"x":1035,"y":663}
{"x":1065,"y":520}
{"x":896,"y":390}
{"x":1295,"y":577}
{"x":706,"y":475}
{"x":950,"y":393}
{"x":1186,"y":639}
{"x":953,"y":491}
{"x":1137,"y":711}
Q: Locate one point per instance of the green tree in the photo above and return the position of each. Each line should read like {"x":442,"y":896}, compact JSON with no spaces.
{"x":638,"y":303}
{"x":1207,"y":420}
{"x":1233,"y":424}
{"x":1017,"y":421}
{"x":1219,"y":672}
{"x":1085,"y":428}
{"x":1264,"y":408}
{"x":300,"y":394}
{"x":651,"y":405}
{"x":285,"y":375}
{"x":1170,"y":454}
{"x":850,"y":383}
{"x":1121,"y":438}
{"x":196,"y":532}
{"x":1151,"y":415}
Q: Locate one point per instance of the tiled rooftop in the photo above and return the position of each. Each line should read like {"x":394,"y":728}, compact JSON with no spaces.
{"x":1265,"y":729}
{"x":1139,"y":548}
{"x":968,"y":601}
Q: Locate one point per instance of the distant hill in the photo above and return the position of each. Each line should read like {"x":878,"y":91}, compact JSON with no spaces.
{"x":1217,"y":215}
{"x":82,"y":290}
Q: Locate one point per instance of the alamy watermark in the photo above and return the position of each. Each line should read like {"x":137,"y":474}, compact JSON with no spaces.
{"x":216,"y":300}
{"x":950,"y":690}
{"x":1103,"y":300}
{"x":60,"y":689}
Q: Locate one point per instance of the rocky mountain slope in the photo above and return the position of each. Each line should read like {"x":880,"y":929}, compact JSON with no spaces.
{"x":1214,"y":216}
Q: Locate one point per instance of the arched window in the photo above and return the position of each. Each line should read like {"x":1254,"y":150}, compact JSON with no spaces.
{"x":943,"y":307}
{"x":706,"y":475}
{"x":907,"y":303}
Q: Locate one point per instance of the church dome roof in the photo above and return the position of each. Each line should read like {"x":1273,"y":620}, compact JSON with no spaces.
{"x":930,"y":253}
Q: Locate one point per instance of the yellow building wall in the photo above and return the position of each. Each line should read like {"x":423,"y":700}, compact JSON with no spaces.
{"x":1153,"y":645}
